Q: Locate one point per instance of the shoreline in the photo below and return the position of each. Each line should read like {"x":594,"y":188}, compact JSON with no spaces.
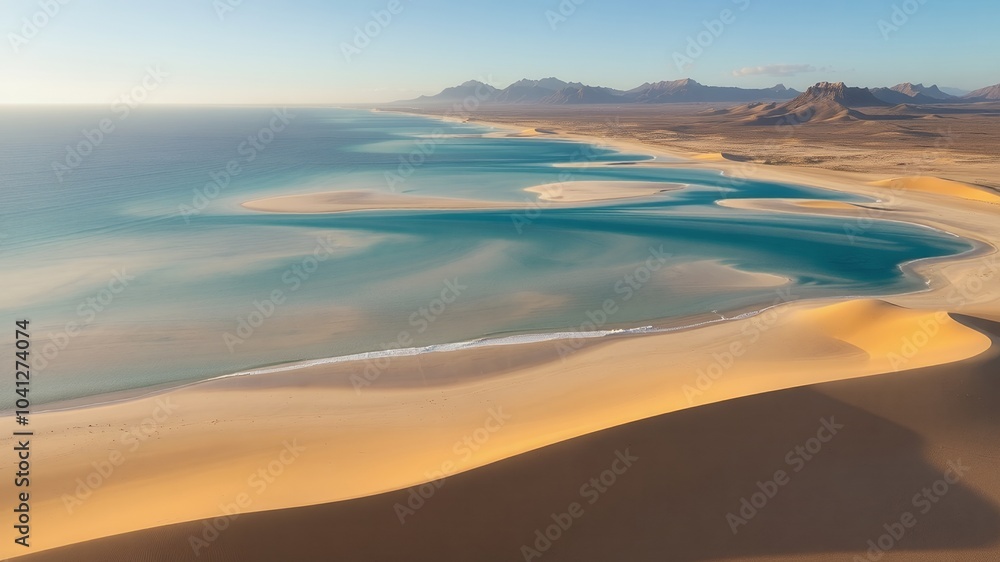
{"x":611,"y":383}
{"x":904,"y":424}
{"x":857,"y":183}
{"x":611,"y":330}
{"x":849,"y":338}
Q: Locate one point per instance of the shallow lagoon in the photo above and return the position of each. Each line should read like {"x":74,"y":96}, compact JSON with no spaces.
{"x":143,"y":204}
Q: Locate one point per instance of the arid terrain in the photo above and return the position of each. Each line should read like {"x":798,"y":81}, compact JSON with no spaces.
{"x":953,"y":142}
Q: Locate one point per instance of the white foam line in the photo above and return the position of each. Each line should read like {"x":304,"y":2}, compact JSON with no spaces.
{"x":484,"y":342}
{"x":438,"y":348}
{"x":412,"y":351}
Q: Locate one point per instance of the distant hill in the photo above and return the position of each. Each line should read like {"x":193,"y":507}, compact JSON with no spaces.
{"x":895,"y":97}
{"x":918,"y":94}
{"x":838,"y":93}
{"x":989,"y":93}
{"x":918,"y":90}
{"x":826,"y":101}
{"x":957,"y":92}
{"x":472,"y":88}
{"x":690,"y":91}
{"x":532,"y":91}
{"x":583,"y":95}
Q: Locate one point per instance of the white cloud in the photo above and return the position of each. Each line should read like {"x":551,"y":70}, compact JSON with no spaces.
{"x":775,"y":70}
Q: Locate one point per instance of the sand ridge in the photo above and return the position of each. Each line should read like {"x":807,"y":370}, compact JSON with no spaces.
{"x":940,"y":186}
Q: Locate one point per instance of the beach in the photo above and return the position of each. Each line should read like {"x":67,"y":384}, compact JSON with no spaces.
{"x":692,"y":469}
{"x":322,"y":435}
{"x":346,"y":436}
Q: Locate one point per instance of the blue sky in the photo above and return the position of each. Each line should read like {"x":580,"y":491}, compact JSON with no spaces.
{"x":293,"y":51}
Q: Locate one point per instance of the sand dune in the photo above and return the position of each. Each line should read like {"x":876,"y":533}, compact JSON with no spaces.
{"x":379,"y":439}
{"x":823,"y":110}
{"x":889,"y":334}
{"x":719,"y":157}
{"x":940,"y":187}
{"x":709,"y":156}
{"x":531,"y":132}
{"x":693,"y":467}
{"x":534,"y":132}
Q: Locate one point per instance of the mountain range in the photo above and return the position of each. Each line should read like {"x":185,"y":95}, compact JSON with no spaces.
{"x":552,"y":91}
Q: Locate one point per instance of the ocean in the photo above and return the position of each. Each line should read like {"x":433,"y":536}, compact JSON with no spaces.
{"x":123,"y":241}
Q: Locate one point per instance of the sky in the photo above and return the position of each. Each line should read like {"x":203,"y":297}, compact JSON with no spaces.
{"x":357,"y":51}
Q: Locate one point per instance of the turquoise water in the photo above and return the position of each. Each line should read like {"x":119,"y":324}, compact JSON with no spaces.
{"x":127,"y":287}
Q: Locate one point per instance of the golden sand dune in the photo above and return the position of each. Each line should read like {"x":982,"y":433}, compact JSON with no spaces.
{"x":939,"y":186}
{"x":899,"y":435}
{"x":334,"y":443}
{"x":720,"y":157}
{"x":709,"y":156}
{"x":535,"y":132}
{"x":525,"y":133}
{"x":890,"y":334}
